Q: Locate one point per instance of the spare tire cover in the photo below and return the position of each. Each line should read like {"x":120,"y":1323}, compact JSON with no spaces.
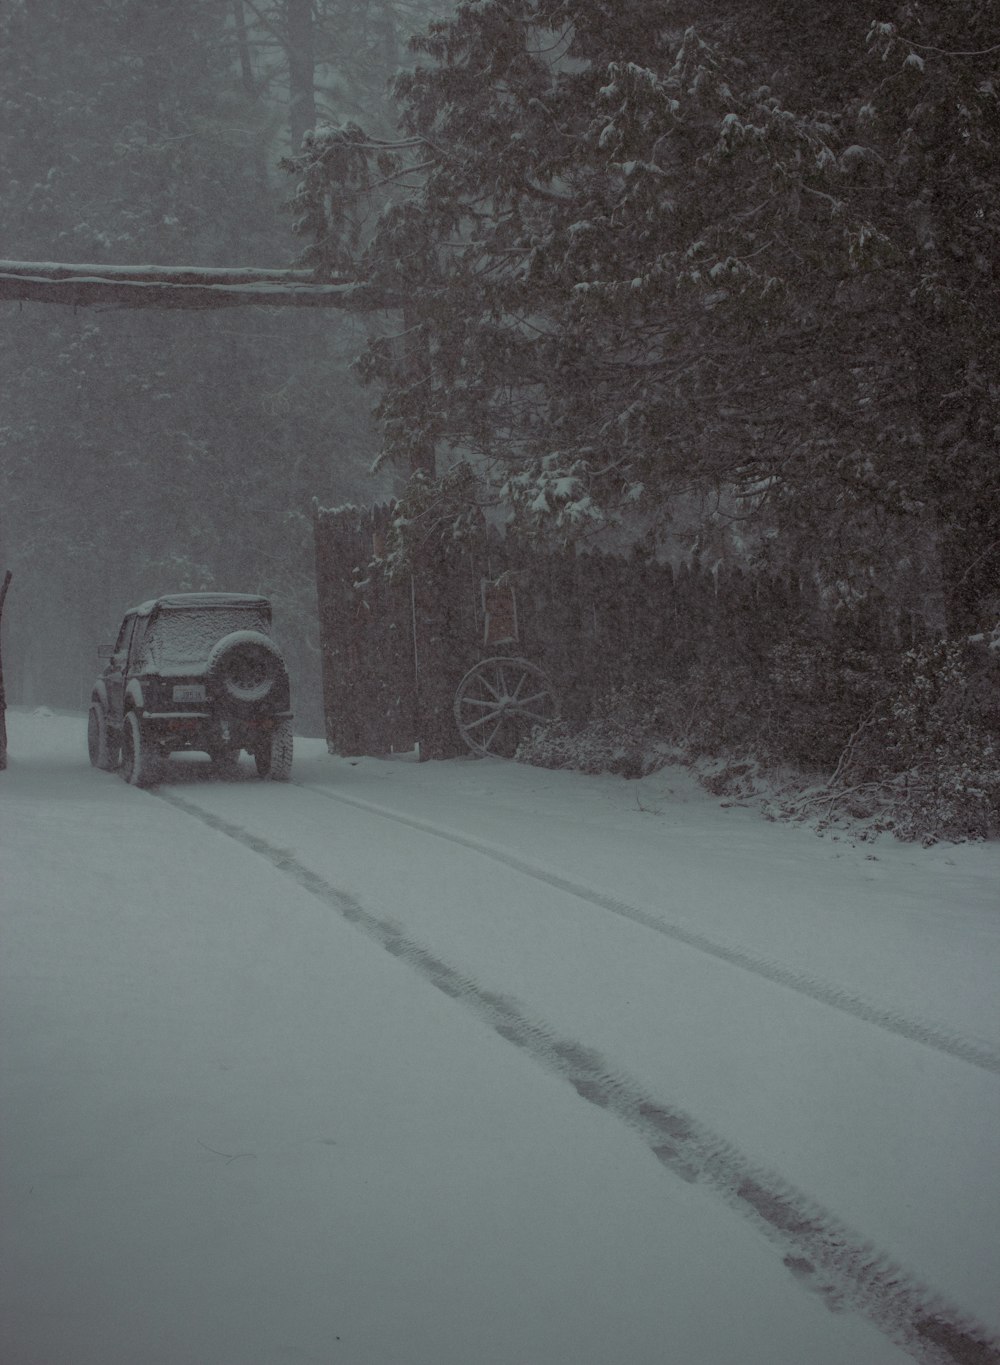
{"x":245,"y":666}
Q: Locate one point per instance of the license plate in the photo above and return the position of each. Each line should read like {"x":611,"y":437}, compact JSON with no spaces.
{"x":189,"y":692}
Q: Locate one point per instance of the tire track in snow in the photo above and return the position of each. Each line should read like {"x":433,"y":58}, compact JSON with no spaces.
{"x":823,"y":1254}
{"x":929,"y":1034}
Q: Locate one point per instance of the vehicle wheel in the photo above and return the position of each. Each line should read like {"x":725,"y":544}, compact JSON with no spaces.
{"x":499,"y":702}
{"x":245,"y":668}
{"x":274,"y":757}
{"x":103,"y":749}
{"x":140,"y":761}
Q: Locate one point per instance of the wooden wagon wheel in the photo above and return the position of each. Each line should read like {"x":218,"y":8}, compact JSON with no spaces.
{"x":500,"y":701}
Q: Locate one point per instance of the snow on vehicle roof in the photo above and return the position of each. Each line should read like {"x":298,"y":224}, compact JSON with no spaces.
{"x":192,"y":600}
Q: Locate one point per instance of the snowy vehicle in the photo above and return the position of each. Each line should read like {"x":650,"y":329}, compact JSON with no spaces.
{"x":193,"y":672}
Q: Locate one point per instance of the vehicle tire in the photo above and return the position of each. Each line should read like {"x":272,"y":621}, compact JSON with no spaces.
{"x":104,"y":750}
{"x":274,"y":757}
{"x":244,"y":669}
{"x":140,"y":760}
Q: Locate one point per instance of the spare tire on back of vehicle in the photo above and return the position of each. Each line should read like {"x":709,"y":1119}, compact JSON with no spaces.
{"x":246,"y":668}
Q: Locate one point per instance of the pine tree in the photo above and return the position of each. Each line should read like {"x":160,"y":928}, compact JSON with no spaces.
{"x":643,"y":260}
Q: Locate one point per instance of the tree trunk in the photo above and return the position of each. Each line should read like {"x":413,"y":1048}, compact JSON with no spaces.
{"x":3,"y":698}
{"x":301,"y":69}
{"x":243,"y":48}
{"x":390,"y":42}
{"x":250,"y":88}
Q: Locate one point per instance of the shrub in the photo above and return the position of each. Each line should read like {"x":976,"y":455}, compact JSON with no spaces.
{"x":909,"y":742}
{"x":926,"y":761}
{"x":624,"y":735}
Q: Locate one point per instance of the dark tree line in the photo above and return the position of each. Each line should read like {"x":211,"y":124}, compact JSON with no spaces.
{"x":656,"y":252}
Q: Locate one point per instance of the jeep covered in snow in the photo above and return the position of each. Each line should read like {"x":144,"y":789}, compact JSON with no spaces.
{"x":193,"y":671}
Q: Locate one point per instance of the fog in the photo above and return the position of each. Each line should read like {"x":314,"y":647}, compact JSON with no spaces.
{"x":146,"y":451}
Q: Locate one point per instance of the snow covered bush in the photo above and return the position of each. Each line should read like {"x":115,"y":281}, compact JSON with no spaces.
{"x":624,"y":735}
{"x":925,"y":762}
{"x":903,"y":743}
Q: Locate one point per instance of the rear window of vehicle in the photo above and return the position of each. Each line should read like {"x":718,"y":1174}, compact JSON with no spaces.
{"x":183,"y":637}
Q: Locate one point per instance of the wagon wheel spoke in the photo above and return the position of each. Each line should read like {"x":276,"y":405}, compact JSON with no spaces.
{"x":532,"y":700}
{"x":517,"y":690}
{"x":489,"y":686}
{"x":484,"y":720}
{"x":496,"y":731}
{"x":536,"y":716}
{"x":499,"y":701}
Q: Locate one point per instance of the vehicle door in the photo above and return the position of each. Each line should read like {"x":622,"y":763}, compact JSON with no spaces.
{"x":114,"y":674}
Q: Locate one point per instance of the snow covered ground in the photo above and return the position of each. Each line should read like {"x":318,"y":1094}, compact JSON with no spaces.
{"x":470,"y":1063}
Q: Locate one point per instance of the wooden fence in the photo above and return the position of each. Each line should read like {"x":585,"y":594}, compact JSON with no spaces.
{"x":394,"y":654}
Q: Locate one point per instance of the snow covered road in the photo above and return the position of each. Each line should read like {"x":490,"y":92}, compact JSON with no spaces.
{"x":467,"y":1062}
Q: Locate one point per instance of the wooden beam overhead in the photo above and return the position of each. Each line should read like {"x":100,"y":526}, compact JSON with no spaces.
{"x":158,"y":286}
